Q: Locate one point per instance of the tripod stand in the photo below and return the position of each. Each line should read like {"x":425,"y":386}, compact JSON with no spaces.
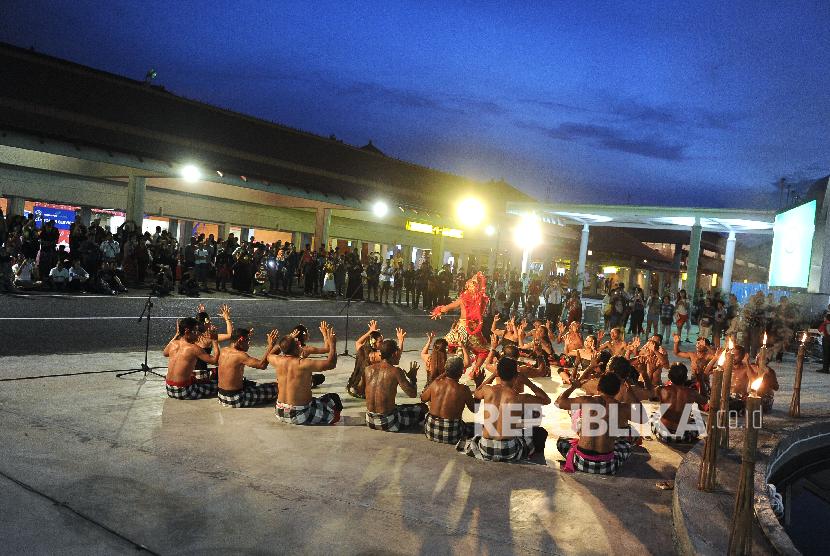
{"x":144,"y":368}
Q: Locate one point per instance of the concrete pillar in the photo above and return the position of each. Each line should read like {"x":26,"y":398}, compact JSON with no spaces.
{"x":691,"y":263}
{"x":85,"y":216}
{"x":186,"y":231}
{"x":525,"y":260}
{"x":16,"y":206}
{"x":437,"y":248}
{"x":173,"y":227}
{"x":357,"y":247}
{"x":135,"y":200}
{"x":491,"y":262}
{"x":222,"y":232}
{"x":728,"y":262}
{"x":322,"y":223}
{"x":583,"y":258}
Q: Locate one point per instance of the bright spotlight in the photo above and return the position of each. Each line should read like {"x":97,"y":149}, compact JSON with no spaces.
{"x":528,"y":232}
{"x":191,"y":173}
{"x":470,"y":211}
{"x":380,"y":209}
{"x":490,"y":230}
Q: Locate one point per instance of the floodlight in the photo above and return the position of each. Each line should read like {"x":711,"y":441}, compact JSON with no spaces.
{"x":380,"y":209}
{"x":191,"y":173}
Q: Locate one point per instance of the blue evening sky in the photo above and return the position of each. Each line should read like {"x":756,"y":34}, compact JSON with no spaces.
{"x":679,"y":103}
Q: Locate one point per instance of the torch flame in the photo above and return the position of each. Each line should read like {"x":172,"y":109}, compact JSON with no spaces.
{"x":731,"y":344}
{"x":804,"y":337}
{"x":722,"y":359}
{"x":756,"y":383}
{"x":765,"y":338}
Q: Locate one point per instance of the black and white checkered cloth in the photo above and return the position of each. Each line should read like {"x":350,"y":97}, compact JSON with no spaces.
{"x":324,"y":410}
{"x":662,"y":433}
{"x":622,"y":450}
{"x":511,"y":449}
{"x":194,"y":391}
{"x":448,"y":431}
{"x":251,"y":394}
{"x":403,"y":417}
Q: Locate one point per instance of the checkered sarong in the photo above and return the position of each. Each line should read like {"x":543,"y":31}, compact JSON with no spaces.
{"x":662,"y":433}
{"x":513,"y":449}
{"x":324,"y":410}
{"x":193,"y":391}
{"x":404,"y":416}
{"x":448,"y":431}
{"x":251,"y":394}
{"x":584,"y":463}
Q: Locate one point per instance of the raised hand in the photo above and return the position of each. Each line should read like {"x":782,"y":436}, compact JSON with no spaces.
{"x":324,"y":326}
{"x":225,"y":312}
{"x":373,"y":326}
{"x":214,"y":334}
{"x":430,"y":335}
{"x":676,"y":338}
{"x":400,"y":333}
{"x":561,"y":328}
{"x":273,"y":336}
{"x":200,"y":308}
{"x":413,"y":368}
{"x":494,"y":341}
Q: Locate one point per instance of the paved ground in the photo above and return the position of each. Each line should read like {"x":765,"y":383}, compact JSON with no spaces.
{"x":110,"y":464}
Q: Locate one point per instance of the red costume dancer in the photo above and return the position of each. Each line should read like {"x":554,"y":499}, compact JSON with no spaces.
{"x":467,"y":330}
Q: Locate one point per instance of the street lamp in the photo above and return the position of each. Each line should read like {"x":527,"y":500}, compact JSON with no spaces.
{"x":470,"y":212}
{"x":190,"y":173}
{"x":380,"y":209}
{"x":490,"y":230}
{"x":528,"y":232}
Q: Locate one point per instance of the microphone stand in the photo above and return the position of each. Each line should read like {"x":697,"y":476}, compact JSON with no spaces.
{"x":144,"y":368}
{"x":346,"y":308}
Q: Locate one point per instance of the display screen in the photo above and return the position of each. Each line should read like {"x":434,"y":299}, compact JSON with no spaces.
{"x":792,"y":246}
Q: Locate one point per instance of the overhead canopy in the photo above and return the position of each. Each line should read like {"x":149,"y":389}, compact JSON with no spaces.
{"x":666,"y":218}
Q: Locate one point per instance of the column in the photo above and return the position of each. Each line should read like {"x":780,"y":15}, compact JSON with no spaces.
{"x":186,"y":232}
{"x":491,"y":262}
{"x":85,"y":216}
{"x":728,"y":262}
{"x":322,"y":222}
{"x":525,"y":260}
{"x":437,"y":248}
{"x":357,"y":247}
{"x":135,"y":200}
{"x":173,"y":227}
{"x":16,"y":206}
{"x":222,"y":233}
{"x":583,"y":258}
{"x":691,"y":263}
{"x":660,"y":283}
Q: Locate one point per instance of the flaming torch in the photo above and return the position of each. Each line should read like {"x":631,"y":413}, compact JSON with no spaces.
{"x":709,"y":461}
{"x":726,"y":390}
{"x":795,"y":404}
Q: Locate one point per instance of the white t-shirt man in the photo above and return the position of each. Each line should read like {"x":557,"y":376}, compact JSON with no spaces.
{"x":23,"y":271}
{"x":59,"y":275}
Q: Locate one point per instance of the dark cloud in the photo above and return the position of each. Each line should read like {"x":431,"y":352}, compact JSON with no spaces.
{"x":612,"y":139}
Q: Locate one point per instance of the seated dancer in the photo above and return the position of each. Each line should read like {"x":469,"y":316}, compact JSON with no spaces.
{"x":300,"y":333}
{"x":675,"y":398}
{"x":499,"y":441}
{"x":743,"y":374}
{"x":596,"y":451}
{"x":699,"y":358}
{"x":182,"y":351}
{"x":382,"y":380}
{"x":571,"y":340}
{"x":295,"y":404}
{"x":472,"y":303}
{"x":615,"y":344}
{"x":447,"y":400}
{"x":651,"y":359}
{"x":234,"y":389}
{"x":367,"y":352}
{"x":204,"y":341}
{"x":436,"y":361}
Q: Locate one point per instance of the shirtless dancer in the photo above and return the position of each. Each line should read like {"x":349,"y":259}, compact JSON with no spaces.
{"x":615,"y":344}
{"x":435,"y":362}
{"x":295,"y":403}
{"x":367,"y":352}
{"x":182,"y":351}
{"x":676,"y":398}
{"x":651,"y":358}
{"x":503,"y":402}
{"x":204,"y":340}
{"x":234,"y":389}
{"x":743,"y":374}
{"x":300,"y":333}
{"x":596,"y":453}
{"x":447,"y":400}
{"x":699,"y":358}
{"x":382,"y":380}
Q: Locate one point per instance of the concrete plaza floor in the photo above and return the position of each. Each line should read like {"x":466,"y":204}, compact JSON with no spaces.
{"x":96,"y":464}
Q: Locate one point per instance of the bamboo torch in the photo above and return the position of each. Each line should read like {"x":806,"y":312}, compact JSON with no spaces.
{"x":726,"y":389}
{"x":709,"y":461}
{"x":795,"y":404}
{"x":740,"y":530}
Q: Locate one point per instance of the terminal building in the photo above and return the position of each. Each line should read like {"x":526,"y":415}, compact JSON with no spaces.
{"x":77,"y":143}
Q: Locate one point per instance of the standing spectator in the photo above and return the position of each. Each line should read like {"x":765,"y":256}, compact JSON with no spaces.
{"x":422,"y":284}
{"x":309,"y":271}
{"x":534,"y":290}
{"x":397,"y":283}
{"x":372,"y":278}
{"x":515,"y":288}
{"x":652,"y":314}
{"x":719,"y":323}
{"x":48,"y":236}
{"x":638,"y":313}
{"x":706,"y":319}
{"x":755,"y":318}
{"x":201,"y":256}
{"x":385,"y":281}
{"x":409,"y":282}
{"x":574,"y":309}
{"x":110,"y":249}
{"x":339,"y":274}
{"x":824,"y":328}
{"x":553,"y":300}
{"x":666,"y":316}
{"x":681,"y":311}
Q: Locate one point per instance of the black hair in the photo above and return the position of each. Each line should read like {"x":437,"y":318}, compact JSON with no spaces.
{"x":507,"y":368}
{"x":609,"y":384}
{"x":188,"y":323}
{"x":511,"y":351}
{"x":604,"y":358}
{"x":455,"y":367}
{"x":678,"y":374}
{"x":440,"y":343}
{"x":289,"y":346}
{"x":388,"y":350}
{"x":203,"y":317}
{"x":620,"y":366}
{"x":741,"y":350}
{"x":239,"y":333}
{"x":375,"y":335}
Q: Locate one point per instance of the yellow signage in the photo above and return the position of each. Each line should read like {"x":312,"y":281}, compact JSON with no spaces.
{"x":430,"y":229}
{"x":609,"y":269}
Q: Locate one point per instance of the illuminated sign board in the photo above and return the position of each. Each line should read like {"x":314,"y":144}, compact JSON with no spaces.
{"x":792,"y":246}
{"x":430,"y":229}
